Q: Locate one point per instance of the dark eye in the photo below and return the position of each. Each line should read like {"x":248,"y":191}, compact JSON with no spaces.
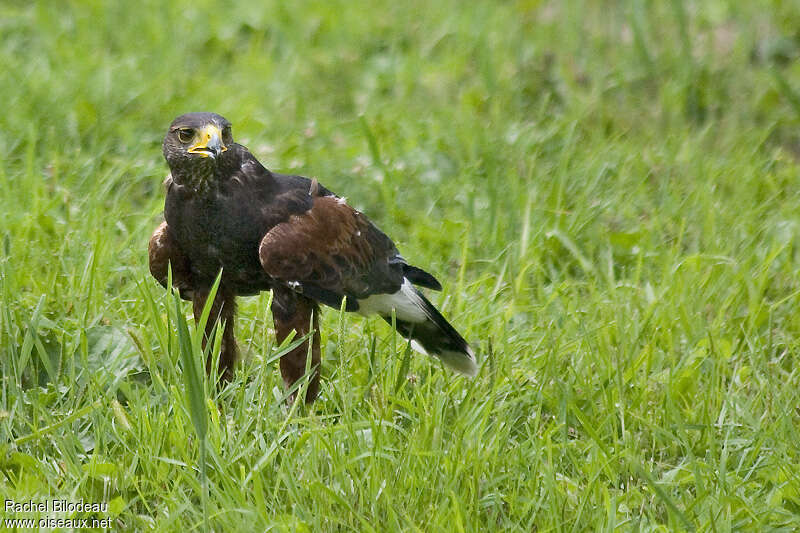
{"x":227,"y":136}
{"x":185,"y":135}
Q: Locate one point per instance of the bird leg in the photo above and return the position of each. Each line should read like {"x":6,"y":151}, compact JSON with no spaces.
{"x":223,"y":310}
{"x":293,"y":312}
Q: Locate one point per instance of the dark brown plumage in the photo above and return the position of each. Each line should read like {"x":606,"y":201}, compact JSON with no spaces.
{"x":288,"y":234}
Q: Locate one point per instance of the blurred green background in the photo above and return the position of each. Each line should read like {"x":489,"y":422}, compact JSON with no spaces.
{"x":608,"y":191}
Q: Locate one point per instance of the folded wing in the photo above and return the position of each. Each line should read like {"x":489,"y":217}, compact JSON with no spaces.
{"x":332,"y":252}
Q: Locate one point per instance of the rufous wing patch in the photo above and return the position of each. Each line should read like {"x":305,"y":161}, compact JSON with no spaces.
{"x":328,"y":244}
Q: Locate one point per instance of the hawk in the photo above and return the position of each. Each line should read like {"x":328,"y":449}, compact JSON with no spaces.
{"x":288,"y":234}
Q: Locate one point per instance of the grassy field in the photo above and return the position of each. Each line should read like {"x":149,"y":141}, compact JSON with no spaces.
{"x":608,"y":190}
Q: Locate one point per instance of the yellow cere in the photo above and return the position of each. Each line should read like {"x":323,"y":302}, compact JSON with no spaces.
{"x":207,"y":139}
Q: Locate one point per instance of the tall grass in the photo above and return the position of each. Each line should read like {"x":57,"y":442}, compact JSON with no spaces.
{"x":608,"y":191}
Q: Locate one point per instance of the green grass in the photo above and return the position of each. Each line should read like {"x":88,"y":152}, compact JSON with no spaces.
{"x":608,"y":190}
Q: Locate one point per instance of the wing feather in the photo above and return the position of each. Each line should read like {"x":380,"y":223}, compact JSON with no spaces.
{"x":331,"y":251}
{"x":164,"y":251}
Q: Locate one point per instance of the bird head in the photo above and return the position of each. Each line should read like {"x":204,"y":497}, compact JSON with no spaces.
{"x":194,"y":145}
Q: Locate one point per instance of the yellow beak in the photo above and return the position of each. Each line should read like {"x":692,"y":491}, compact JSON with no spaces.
{"x":209,"y":142}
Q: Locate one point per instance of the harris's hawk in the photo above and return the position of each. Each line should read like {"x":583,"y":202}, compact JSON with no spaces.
{"x":289,"y":234}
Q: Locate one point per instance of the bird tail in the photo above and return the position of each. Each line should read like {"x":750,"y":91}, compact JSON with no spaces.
{"x":430,"y":333}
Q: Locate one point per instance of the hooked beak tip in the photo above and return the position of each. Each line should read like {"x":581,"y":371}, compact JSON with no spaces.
{"x":210,"y":144}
